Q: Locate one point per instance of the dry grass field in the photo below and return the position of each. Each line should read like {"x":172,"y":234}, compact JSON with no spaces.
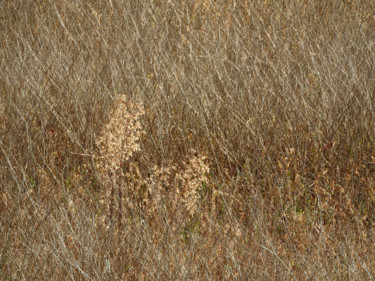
{"x":187,"y":140}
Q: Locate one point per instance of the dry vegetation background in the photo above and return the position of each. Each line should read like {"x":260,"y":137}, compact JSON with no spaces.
{"x":187,"y":140}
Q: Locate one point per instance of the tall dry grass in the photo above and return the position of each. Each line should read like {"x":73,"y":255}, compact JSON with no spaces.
{"x":179,"y":140}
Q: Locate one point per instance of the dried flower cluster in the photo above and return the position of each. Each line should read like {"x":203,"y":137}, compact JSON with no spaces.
{"x":176,"y":188}
{"x":118,"y":141}
{"x":191,"y":178}
{"x":120,"y":136}
{"x":167,"y":187}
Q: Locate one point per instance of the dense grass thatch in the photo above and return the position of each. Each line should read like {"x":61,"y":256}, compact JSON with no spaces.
{"x":187,"y":140}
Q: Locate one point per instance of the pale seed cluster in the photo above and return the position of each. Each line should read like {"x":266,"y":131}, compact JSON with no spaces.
{"x":118,"y":141}
{"x":120,"y":136}
{"x":168,"y":187}
{"x":176,"y":188}
{"x":190,"y":179}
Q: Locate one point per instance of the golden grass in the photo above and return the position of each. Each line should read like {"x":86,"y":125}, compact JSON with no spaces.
{"x":180,"y":140}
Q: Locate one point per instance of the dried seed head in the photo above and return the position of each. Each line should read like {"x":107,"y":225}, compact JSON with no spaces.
{"x":193,"y":175}
{"x":119,"y":139}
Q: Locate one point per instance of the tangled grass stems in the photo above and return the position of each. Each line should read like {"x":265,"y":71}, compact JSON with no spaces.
{"x":275,"y":97}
